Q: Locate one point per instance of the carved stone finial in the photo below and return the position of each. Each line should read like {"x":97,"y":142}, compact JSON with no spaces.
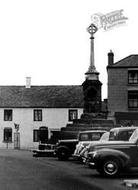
{"x":92,"y":29}
{"x":92,"y":74}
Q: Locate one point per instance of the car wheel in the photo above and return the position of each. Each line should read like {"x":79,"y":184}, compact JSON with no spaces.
{"x":109,"y":167}
{"x":63,"y":154}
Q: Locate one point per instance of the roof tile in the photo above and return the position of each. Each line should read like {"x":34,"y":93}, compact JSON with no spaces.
{"x":130,"y":61}
{"x":42,"y":96}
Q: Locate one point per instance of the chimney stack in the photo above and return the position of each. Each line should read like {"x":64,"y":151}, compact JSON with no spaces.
{"x":28,"y":82}
{"x":110,"y":58}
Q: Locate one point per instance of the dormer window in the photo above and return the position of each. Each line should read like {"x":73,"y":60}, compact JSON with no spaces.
{"x":133,"y":77}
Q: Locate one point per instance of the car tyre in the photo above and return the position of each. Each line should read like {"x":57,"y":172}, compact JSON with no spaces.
{"x":63,"y":154}
{"x":109,"y":167}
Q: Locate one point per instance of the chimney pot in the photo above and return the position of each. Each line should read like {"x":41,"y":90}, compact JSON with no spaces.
{"x":28,"y":82}
{"x":110,"y":58}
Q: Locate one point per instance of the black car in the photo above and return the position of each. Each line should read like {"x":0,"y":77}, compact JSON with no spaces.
{"x":65,"y":148}
{"x":112,"y":157}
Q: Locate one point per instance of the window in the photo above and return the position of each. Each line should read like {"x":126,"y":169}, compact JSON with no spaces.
{"x":90,"y":136}
{"x":37,"y":115}
{"x":7,"y":135}
{"x":96,"y":136}
{"x":73,"y":114}
{"x":133,"y":99}
{"x":7,"y":115}
{"x":133,"y":77}
{"x":120,"y":135}
{"x":40,"y":135}
{"x":84,"y":137}
{"x":36,"y":135}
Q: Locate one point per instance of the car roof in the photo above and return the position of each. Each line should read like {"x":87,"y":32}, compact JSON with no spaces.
{"x":124,"y":128}
{"x":93,"y":131}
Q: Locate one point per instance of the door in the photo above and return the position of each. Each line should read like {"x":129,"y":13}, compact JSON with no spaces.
{"x":17,"y":140}
{"x":43,"y":135}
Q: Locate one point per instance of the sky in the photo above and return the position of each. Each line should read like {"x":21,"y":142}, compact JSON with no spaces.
{"x":47,"y":40}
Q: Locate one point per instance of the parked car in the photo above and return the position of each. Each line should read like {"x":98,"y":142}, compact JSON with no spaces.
{"x":80,"y":147}
{"x":44,"y":150}
{"x":65,"y":148}
{"x":115,"y":134}
{"x":112,"y":157}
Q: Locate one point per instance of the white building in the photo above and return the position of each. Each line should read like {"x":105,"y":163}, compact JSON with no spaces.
{"x":25,"y":109}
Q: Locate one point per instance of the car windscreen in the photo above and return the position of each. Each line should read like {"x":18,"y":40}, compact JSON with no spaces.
{"x":134,"y":136}
{"x":105,"y":137}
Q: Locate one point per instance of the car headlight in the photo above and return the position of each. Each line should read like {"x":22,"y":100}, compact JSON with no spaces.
{"x":86,"y":154}
{"x":92,"y":154}
{"x":82,"y":145}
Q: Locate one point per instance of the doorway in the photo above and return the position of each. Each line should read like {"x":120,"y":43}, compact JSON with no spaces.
{"x":17,"y":140}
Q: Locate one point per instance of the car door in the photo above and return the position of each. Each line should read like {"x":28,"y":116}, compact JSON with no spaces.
{"x":131,"y":149}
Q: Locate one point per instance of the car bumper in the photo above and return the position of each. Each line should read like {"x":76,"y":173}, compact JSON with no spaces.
{"x":89,"y":162}
{"x":38,"y":152}
{"x":91,"y":165}
{"x":77,"y":157}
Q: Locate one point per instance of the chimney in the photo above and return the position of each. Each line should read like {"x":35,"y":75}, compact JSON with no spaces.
{"x":110,"y":58}
{"x":28,"y":82}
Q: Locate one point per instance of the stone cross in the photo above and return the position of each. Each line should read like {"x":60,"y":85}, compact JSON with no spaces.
{"x":92,"y":29}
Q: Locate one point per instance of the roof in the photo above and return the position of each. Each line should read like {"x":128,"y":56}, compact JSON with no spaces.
{"x":128,"y":62}
{"x":70,"y":96}
{"x":124,"y":128}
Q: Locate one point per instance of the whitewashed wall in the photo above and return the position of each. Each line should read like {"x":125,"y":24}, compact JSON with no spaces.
{"x":53,"y":118}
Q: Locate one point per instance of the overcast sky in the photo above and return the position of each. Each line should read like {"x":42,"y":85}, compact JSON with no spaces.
{"x":47,"y":40}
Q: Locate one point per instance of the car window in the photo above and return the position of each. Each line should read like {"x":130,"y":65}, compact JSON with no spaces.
{"x":134,"y":136}
{"x":120,"y":135}
{"x":113,"y":135}
{"x":123,"y":135}
{"x":95,"y":136}
{"x":84,"y":137}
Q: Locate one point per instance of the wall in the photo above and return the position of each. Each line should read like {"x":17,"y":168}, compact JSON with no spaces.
{"x":117,"y":90}
{"x":52,"y":118}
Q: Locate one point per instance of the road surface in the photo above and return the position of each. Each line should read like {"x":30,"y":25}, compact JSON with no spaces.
{"x":19,"y":170}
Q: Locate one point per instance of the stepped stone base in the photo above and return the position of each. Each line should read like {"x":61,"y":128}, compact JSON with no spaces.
{"x":94,"y":125}
{"x":85,"y":123}
{"x":90,"y":122}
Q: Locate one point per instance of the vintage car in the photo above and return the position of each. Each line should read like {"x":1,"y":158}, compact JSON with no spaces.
{"x":115,"y":134}
{"x":83,"y":144}
{"x":112,"y":157}
{"x":65,"y":148}
{"x":43,"y":150}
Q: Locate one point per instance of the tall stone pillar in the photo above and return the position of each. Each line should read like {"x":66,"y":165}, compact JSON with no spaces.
{"x":92,"y":85}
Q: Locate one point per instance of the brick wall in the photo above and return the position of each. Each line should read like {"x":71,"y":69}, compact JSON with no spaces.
{"x":117,"y":90}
